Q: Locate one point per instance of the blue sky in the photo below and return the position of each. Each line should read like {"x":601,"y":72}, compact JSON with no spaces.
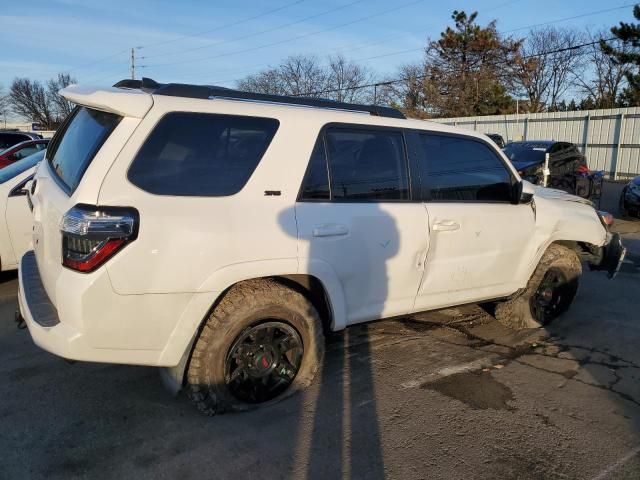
{"x":215,"y":42}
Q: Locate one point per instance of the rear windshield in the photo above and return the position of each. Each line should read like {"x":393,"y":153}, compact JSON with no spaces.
{"x":201,"y":154}
{"x":16,"y":168}
{"x":75,"y":146}
{"x":521,"y":153}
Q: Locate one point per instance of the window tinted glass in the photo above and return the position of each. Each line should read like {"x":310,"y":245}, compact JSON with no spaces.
{"x":26,"y":151}
{"x":367,"y":165}
{"x":316,"y":181}
{"x":199,"y":154}
{"x":460,"y":169}
{"x":10,"y":139}
{"x":83,"y":136}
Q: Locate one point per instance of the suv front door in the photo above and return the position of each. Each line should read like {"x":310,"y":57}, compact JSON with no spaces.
{"x":479,"y":240}
{"x":356,"y":218}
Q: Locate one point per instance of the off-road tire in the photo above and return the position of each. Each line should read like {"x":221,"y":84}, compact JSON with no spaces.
{"x":243,"y":306}
{"x":516,"y":312}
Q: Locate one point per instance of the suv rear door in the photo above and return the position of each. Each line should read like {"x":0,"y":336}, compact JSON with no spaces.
{"x":55,"y":187}
{"x":479,"y":240}
{"x":357,"y":217}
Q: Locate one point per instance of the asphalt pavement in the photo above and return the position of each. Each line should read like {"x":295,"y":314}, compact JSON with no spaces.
{"x":448,"y":394}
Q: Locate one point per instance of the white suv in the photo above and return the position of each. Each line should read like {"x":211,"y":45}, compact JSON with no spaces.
{"x":219,"y":233}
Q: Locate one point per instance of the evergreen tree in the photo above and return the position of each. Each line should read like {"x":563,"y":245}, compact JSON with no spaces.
{"x":629,"y":34}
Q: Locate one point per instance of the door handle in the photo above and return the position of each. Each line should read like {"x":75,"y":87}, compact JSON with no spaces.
{"x":330,"y":230}
{"x":446,"y":226}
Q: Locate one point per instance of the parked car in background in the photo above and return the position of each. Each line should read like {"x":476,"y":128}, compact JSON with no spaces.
{"x":22,"y":150}
{"x":528,"y":158}
{"x":17,"y":220}
{"x":568,"y":170}
{"x":497,"y":139}
{"x":219,"y":233}
{"x":9,"y":138}
{"x":630,"y":198}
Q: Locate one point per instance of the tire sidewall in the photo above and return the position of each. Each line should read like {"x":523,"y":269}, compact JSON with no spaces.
{"x":210,"y":374}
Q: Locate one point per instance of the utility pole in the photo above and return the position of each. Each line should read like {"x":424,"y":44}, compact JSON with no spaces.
{"x":133,"y":64}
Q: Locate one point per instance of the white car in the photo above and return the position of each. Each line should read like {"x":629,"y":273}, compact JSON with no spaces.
{"x":219,"y":233}
{"x":16,"y":228}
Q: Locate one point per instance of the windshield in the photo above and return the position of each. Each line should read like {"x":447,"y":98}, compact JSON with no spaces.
{"x":16,"y":168}
{"x":521,"y":153}
{"x":83,"y":135}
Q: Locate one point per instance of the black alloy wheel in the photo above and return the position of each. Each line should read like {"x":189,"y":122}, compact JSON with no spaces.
{"x":263,"y":361}
{"x":552,"y":296}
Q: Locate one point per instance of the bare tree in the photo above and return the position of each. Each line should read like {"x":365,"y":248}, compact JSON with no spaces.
{"x":4,"y":105}
{"x":545,"y":74}
{"x":60,"y":106}
{"x":29,"y":99}
{"x":343,"y":78}
{"x":605,"y":79}
{"x":296,"y":75}
{"x":408,"y":91}
{"x":40,"y":103}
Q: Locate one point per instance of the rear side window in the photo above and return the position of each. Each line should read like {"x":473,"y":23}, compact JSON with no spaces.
{"x":74,"y":147}
{"x":201,"y":154}
{"x":367,"y":165}
{"x":461,"y":169}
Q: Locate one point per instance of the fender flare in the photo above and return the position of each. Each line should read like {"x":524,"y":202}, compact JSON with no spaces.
{"x":201,"y":303}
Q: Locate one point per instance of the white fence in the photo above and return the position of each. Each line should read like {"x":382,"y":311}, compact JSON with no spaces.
{"x":609,"y":138}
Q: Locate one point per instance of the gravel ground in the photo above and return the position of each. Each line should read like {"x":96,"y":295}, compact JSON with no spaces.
{"x":448,"y":394}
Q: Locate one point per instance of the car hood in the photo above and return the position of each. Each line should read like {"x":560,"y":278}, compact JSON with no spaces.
{"x":554,"y":194}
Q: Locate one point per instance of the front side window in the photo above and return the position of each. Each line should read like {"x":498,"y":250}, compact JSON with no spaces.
{"x":201,"y":154}
{"x":73,"y":150}
{"x":367,"y":165}
{"x":455,"y":168}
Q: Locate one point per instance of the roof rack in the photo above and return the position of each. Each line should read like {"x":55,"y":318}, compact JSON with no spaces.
{"x":208,"y":92}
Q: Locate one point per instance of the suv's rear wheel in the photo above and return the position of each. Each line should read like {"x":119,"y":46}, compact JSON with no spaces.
{"x":549,"y":293}
{"x":261,"y":343}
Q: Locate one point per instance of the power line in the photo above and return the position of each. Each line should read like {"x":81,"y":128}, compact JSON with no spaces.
{"x":351,"y":48}
{"x":82,"y":67}
{"x":288,"y":40}
{"x":221,"y":27}
{"x":505,"y":32}
{"x":570,"y":18}
{"x":228,"y":25}
{"x":421,"y":77}
{"x":255,"y":34}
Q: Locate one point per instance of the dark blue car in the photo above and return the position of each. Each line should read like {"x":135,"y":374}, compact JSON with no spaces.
{"x":630,"y":198}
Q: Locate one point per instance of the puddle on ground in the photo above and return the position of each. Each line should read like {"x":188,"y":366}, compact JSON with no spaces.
{"x":479,"y":390}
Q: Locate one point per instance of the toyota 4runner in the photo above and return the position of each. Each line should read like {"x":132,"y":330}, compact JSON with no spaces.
{"x":219,"y":233}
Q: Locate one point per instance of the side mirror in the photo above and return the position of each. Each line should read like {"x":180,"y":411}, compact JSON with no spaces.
{"x":523,"y":192}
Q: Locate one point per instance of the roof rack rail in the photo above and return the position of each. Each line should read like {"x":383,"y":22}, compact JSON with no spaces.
{"x":208,"y":92}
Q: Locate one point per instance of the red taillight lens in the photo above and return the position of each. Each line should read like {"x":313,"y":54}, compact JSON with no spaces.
{"x":92,"y":235}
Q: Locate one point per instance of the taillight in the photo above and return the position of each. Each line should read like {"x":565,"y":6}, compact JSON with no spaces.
{"x":92,"y":235}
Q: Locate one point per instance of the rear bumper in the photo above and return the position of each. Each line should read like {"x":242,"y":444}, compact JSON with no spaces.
{"x":92,"y":323}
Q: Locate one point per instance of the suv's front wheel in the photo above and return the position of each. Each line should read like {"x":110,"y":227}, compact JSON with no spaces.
{"x":261,"y":343}
{"x":549,"y":292}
